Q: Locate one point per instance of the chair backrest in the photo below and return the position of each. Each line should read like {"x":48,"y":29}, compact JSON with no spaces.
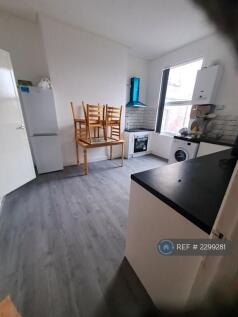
{"x":113,"y":114}
{"x":72,"y":109}
{"x":94,"y":114}
{"x":84,"y":111}
{"x":113,"y":120}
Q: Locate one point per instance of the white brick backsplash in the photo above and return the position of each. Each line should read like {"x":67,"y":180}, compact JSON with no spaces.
{"x":225,"y":125}
{"x":141,"y":117}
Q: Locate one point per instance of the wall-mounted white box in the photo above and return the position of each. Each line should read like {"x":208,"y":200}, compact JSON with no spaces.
{"x":206,"y":85}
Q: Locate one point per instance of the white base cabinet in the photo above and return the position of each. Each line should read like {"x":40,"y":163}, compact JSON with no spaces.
{"x":209,"y":148}
{"x":167,"y":279}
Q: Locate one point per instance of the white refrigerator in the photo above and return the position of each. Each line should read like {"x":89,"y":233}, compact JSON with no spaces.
{"x":40,"y":118}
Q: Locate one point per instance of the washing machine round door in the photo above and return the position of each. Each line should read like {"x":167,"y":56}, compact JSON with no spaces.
{"x":181,"y":155}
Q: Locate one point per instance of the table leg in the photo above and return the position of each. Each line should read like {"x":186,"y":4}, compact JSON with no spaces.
{"x":77,"y":152}
{"x":110,"y":152}
{"x":122,"y":153}
{"x":85,"y":165}
{"x":105,"y":132}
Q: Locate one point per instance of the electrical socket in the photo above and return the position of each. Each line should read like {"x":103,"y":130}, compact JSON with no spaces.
{"x":220,"y":107}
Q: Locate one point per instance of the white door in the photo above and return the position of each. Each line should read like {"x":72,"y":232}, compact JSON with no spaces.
{"x":16,"y":165}
{"x":215,"y":271}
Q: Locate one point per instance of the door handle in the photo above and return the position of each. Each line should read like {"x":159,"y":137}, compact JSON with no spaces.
{"x":21,"y":127}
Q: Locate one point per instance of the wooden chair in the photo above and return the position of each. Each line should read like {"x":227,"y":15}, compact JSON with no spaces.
{"x":80,"y":126}
{"x":113,"y":121}
{"x":80,"y":129}
{"x":94,"y":116}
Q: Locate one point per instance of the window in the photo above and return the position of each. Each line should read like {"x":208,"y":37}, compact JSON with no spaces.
{"x":175,"y":97}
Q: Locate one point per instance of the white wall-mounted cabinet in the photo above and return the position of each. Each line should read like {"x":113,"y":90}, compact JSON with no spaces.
{"x":206,"y":85}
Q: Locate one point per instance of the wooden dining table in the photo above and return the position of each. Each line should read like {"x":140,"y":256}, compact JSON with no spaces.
{"x":85,"y":144}
{"x":99,"y":143}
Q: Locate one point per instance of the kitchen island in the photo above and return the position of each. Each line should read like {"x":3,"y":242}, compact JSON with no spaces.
{"x":178,"y":201}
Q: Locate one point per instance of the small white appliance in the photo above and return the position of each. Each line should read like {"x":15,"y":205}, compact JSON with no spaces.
{"x":182,"y":150}
{"x":206,"y":85}
{"x":40,"y":117}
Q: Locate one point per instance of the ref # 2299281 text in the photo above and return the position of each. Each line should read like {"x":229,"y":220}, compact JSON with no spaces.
{"x":196,"y":247}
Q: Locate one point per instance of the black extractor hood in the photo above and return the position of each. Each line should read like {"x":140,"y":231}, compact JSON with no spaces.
{"x":134,"y":93}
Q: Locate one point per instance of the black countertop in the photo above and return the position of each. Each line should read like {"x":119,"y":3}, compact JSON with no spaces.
{"x":202,"y":139}
{"x":194,"y":188}
{"x":138,"y":130}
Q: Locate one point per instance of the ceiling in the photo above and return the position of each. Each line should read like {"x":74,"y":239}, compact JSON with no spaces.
{"x":150,"y":28}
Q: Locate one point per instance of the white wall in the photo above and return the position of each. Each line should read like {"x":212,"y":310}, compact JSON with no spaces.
{"x":138,"y":67}
{"x":212,"y":49}
{"x":23,"y":40}
{"x":82,"y":66}
{"x":86,"y":67}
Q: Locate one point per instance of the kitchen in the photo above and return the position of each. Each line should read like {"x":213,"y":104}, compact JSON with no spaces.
{"x":206,"y":132}
{"x":67,"y":241}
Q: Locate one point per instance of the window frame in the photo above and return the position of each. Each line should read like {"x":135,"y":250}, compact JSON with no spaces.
{"x":163,"y":91}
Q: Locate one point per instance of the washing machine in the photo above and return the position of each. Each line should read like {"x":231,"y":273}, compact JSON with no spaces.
{"x":182,"y":150}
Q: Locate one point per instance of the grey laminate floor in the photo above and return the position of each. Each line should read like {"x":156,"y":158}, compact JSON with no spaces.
{"x":62,"y":240}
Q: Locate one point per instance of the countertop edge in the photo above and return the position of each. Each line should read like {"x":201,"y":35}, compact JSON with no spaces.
{"x":216,"y":142}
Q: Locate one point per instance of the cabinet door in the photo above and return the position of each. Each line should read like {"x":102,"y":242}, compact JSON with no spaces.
{"x":206,"y":85}
{"x":129,"y":144}
{"x":149,"y":141}
{"x":208,"y":148}
{"x":149,"y":221}
{"x":219,"y":270}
